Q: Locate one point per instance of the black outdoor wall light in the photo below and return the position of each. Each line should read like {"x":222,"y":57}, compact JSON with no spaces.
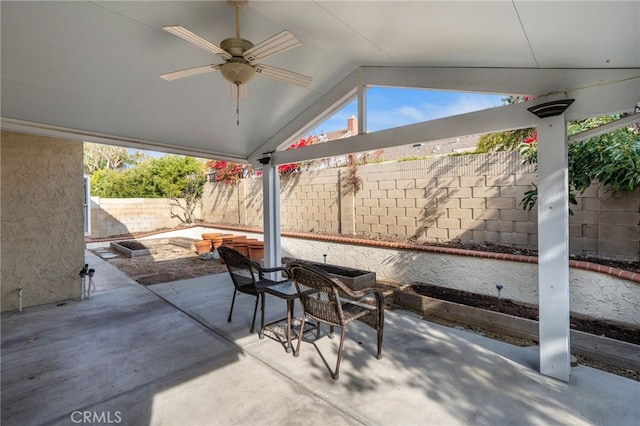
{"x":551,"y":109}
{"x":266,"y":159}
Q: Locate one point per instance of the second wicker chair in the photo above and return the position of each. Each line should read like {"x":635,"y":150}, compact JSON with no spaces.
{"x":320,"y":296}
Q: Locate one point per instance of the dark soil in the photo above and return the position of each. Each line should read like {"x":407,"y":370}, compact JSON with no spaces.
{"x":499,"y":248}
{"x":133,"y":245}
{"x":168,"y":263}
{"x":505,"y":306}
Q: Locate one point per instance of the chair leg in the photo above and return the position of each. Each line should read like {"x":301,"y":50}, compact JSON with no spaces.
{"x":379,"y":355}
{"x":297,"y":351}
{"x":331,"y":335}
{"x":336,"y":374}
{"x":233,"y":300}
{"x":255,"y":311}
{"x":261,"y":333}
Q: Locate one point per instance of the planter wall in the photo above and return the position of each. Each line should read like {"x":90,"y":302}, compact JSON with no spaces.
{"x":610,"y":351}
{"x":355,"y":279}
{"x":592,"y":294}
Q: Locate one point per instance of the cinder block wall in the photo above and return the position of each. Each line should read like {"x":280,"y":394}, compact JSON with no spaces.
{"x":42,"y":219}
{"x":467,"y":198}
{"x":119,"y":216}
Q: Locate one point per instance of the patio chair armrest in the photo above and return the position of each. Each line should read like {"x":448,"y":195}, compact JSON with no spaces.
{"x":261,"y":270}
{"x":358,"y":294}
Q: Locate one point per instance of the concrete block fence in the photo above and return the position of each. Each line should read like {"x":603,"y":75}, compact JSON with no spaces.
{"x":120,"y":216}
{"x":471,"y":198}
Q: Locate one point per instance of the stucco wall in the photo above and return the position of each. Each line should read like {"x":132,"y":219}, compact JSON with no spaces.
{"x":593,"y":294}
{"x":42,"y":244}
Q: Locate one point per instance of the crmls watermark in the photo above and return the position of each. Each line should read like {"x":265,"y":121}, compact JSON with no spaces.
{"x":99,"y":417}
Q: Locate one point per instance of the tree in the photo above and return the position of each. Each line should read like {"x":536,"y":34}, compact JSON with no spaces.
{"x":108,"y":157}
{"x":171,"y":176}
{"x":192,"y":194}
{"x":509,"y":140}
{"x":612,"y":160}
{"x":228,"y":172}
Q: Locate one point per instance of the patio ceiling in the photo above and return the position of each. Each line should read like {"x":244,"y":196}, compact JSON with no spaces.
{"x":89,"y":70}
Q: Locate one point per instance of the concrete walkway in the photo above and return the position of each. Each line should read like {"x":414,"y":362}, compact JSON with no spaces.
{"x":165,"y":354}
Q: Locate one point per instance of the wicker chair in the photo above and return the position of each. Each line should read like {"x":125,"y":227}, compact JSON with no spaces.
{"x":243,"y":273}
{"x":320,"y":296}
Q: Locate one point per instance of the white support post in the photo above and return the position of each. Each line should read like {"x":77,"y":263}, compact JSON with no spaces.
{"x":553,"y":248}
{"x":271,"y":208}
{"x":362,"y":109}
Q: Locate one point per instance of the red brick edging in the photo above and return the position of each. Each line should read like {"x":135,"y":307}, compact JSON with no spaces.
{"x":578,"y":264}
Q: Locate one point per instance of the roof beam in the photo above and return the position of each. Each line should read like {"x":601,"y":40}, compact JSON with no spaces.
{"x":490,"y":120}
{"x":512,"y":81}
{"x":28,"y":127}
{"x":336,"y":98}
{"x":627,"y":121}
{"x":597,"y":91}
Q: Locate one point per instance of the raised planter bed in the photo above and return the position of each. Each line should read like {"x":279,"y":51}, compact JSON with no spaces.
{"x":599,"y":348}
{"x":355,"y":279}
{"x":188,"y":243}
{"x":132,"y":248}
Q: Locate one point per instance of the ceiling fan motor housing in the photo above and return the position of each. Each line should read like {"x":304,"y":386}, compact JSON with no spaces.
{"x":236,"y":46}
{"x":237,"y":70}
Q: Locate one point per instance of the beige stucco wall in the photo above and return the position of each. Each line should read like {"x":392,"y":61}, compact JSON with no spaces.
{"x":42,"y":235}
{"x":593,"y":294}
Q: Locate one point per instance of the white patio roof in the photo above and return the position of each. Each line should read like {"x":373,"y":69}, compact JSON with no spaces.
{"x":89,"y":70}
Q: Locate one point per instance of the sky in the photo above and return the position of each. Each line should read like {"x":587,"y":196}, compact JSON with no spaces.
{"x":393,"y":107}
{"x":389,"y":107}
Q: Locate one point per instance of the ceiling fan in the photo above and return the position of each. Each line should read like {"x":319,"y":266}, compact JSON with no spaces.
{"x":241,"y":57}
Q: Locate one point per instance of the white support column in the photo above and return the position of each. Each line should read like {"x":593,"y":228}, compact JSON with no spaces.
{"x":362,"y":109}
{"x":271,"y":222}
{"x":553,"y":247}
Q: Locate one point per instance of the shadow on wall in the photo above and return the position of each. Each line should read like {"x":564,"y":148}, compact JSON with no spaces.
{"x":473,"y":198}
{"x":103,"y":224}
{"x":220,"y":202}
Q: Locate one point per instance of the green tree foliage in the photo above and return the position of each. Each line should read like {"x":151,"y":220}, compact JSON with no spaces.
{"x":612,"y":160}
{"x":170,"y":176}
{"x":108,"y":157}
{"x":505,"y":141}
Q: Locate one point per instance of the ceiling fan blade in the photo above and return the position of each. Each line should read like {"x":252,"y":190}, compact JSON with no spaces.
{"x":278,"y":43}
{"x":283,"y":75}
{"x":196,"y":40}
{"x":189,"y":72}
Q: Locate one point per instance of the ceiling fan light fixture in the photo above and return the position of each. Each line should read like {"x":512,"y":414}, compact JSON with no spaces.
{"x":237,"y":72}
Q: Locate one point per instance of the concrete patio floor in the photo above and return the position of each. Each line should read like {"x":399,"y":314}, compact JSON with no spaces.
{"x":165,"y":354}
